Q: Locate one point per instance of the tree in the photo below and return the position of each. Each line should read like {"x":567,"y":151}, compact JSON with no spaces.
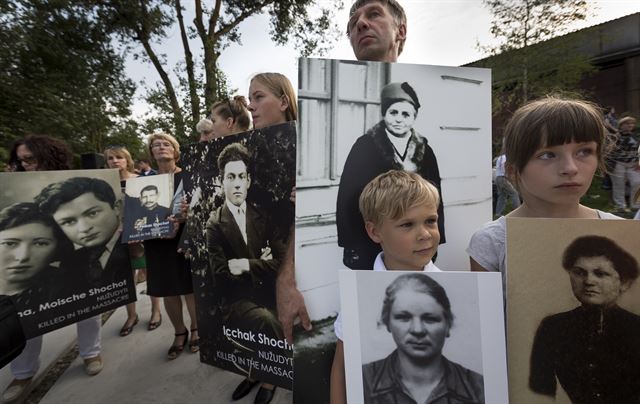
{"x":60,"y":75}
{"x":217,"y":26}
{"x":524,"y":65}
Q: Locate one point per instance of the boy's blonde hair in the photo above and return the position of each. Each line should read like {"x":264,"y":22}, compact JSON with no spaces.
{"x":390,"y":195}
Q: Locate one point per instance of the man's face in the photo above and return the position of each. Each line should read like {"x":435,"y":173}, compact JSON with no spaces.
{"x":143,"y":166}
{"x":149,"y":199}
{"x":595,"y":282}
{"x":87,"y":221}
{"x":374,"y":34}
{"x":236,"y":182}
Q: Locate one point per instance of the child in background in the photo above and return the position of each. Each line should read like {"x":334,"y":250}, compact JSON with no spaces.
{"x":554,"y":147}
{"x":400,"y":212}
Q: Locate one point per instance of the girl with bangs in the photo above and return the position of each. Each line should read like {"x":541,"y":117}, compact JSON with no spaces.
{"x":554,"y":147}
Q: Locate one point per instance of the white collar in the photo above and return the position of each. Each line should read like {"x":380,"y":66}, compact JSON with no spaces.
{"x":378,"y":265}
{"x":234,"y":209}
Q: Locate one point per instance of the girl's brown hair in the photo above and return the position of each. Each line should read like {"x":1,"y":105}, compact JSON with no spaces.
{"x":553,"y":121}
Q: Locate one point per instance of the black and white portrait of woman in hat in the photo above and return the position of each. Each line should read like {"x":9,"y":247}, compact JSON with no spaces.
{"x":392,"y":143}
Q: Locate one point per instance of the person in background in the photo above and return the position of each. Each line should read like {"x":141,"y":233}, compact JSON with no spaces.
{"x":144,"y":168}
{"x":45,"y":153}
{"x":120,"y":158}
{"x":205,"y":130}
{"x":506,"y":191}
{"x":625,"y":164}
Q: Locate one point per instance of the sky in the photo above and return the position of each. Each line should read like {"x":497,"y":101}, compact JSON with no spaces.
{"x":439,"y":32}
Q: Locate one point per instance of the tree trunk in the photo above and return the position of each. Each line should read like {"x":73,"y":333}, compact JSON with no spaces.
{"x":188,"y":57}
{"x":171,"y":93}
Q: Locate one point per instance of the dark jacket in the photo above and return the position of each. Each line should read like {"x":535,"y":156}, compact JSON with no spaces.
{"x":371,"y":155}
{"x":382,"y":384}
{"x":225,"y":242}
{"x":594,"y":353}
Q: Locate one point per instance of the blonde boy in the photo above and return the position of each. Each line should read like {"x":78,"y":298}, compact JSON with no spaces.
{"x":400,"y":212}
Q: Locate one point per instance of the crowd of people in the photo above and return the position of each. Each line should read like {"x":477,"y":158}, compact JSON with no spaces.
{"x":552,"y":149}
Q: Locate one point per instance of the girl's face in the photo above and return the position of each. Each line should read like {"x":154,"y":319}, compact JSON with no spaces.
{"x":418,"y":325}
{"x":266,"y":109}
{"x":26,"y":158}
{"x":399,"y":118}
{"x":221,"y":126}
{"x":558,"y":175}
{"x":25,"y":251}
{"x":116,"y":160}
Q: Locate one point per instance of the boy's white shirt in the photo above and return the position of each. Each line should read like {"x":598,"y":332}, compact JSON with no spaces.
{"x":379,"y":266}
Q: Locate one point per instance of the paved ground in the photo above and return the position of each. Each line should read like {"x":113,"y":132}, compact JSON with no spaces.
{"x":136,"y":369}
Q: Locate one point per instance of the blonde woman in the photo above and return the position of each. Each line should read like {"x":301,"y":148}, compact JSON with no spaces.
{"x":120,"y":158}
{"x":168,"y":272}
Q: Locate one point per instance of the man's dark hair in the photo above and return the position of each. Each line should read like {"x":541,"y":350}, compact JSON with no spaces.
{"x":49,"y":153}
{"x":149,"y":188}
{"x":396,"y":10}
{"x":597,"y":246}
{"x":233,"y":152}
{"x":54,"y":195}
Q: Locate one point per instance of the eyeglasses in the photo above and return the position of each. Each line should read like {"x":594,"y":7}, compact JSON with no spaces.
{"x":27,"y":160}
{"x":161,"y":144}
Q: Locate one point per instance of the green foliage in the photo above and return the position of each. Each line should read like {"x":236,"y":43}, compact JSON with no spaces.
{"x":524,"y":65}
{"x":60,"y":75}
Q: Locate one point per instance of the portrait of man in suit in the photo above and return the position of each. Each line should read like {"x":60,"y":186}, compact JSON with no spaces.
{"x":151,"y":211}
{"x":244,"y":254}
{"x":88,"y":213}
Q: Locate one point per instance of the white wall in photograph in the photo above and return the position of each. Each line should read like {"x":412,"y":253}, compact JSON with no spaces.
{"x":339,"y":101}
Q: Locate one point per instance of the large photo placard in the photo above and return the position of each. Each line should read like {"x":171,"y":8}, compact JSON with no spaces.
{"x":573,"y":304}
{"x":360,"y":119}
{"x":240,"y":216}
{"x":447,"y":327}
{"x":62,"y":259}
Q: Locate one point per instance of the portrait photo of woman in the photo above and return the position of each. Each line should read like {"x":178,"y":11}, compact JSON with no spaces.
{"x":592,"y":350}
{"x":392,"y":143}
{"x":417,"y":313}
{"x":29,"y":242}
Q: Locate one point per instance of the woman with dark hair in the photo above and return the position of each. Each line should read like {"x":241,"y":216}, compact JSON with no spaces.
{"x":592,"y":350}
{"x":417,"y":313}
{"x":40,"y":153}
{"x":45,"y":153}
{"x":29,"y":242}
{"x":391,"y":144}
